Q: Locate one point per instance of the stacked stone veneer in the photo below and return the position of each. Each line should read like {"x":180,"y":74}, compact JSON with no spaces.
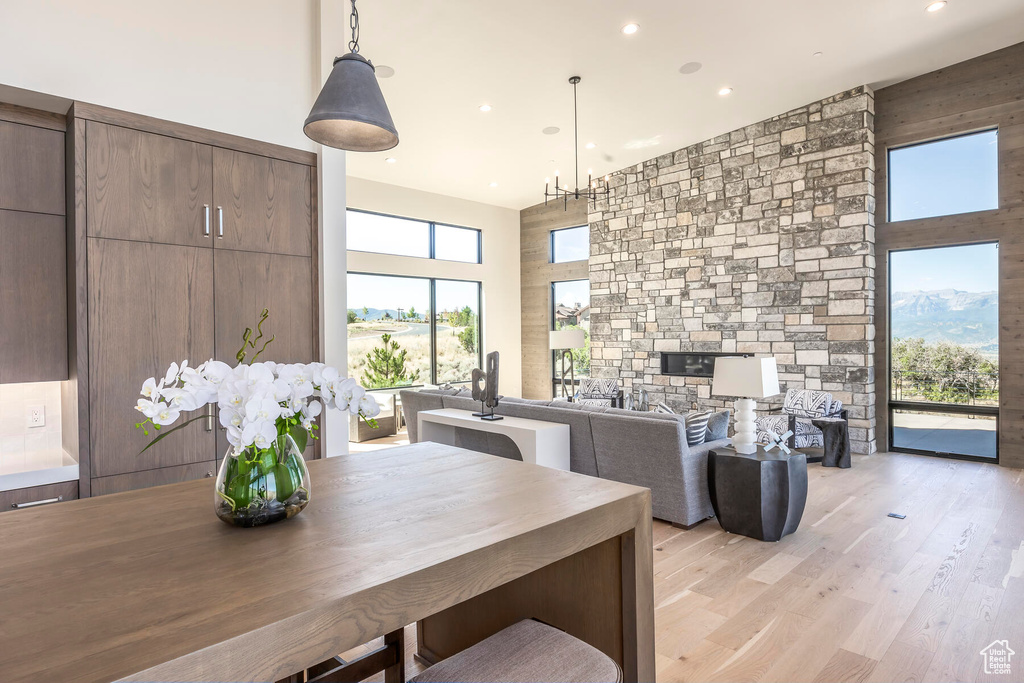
{"x":760,"y":240}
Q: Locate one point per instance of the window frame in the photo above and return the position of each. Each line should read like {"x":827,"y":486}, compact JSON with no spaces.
{"x":432,"y":291}
{"x":551,"y":244}
{"x":431,"y":237}
{"x":556,"y":381}
{"x":919,"y":143}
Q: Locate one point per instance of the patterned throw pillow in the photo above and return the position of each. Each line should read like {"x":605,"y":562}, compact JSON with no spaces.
{"x":664,"y":408}
{"x":808,"y":403}
{"x":697,"y":427}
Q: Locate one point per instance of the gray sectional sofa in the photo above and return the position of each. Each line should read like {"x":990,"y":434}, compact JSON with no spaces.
{"x":645,"y":449}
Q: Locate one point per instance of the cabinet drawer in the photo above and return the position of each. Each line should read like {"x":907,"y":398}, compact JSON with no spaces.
{"x":38,"y":495}
{"x":157,"y":477}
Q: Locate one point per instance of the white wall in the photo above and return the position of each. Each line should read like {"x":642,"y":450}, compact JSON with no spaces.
{"x":499,"y":271}
{"x":246,"y":67}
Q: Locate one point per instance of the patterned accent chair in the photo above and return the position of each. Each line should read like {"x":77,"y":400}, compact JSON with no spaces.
{"x":799,"y":408}
{"x":599,"y":392}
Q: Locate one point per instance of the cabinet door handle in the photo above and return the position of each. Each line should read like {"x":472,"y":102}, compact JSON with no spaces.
{"x":206,"y":220}
{"x":209,"y":418}
{"x":220,"y":222}
{"x":34,"y":503}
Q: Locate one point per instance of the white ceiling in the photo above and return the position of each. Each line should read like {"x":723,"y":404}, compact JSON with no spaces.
{"x":451,"y":56}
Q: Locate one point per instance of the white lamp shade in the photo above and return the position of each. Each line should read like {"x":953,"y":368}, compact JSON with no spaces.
{"x":566,"y":339}
{"x":745,"y":377}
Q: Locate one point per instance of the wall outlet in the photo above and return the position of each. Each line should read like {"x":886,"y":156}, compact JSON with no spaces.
{"x":36,"y":416}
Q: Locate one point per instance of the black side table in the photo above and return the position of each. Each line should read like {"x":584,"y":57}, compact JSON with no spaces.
{"x":835,"y":433}
{"x":760,"y":495}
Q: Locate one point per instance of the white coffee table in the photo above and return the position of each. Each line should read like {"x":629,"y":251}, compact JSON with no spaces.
{"x":539,"y":442}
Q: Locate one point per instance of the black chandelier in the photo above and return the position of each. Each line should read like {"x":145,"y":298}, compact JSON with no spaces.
{"x":594,"y":189}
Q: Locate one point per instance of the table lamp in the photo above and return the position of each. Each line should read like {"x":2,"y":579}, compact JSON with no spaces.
{"x":747,"y":379}
{"x":565,"y":341}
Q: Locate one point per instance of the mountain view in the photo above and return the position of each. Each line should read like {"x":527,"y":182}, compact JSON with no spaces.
{"x":968,"y":318}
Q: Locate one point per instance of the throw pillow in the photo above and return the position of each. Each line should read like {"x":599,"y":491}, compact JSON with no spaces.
{"x":697,"y":428}
{"x":664,"y":408}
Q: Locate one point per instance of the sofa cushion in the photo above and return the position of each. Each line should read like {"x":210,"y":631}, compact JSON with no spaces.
{"x":581,"y":440}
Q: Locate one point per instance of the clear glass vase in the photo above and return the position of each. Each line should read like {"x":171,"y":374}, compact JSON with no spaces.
{"x":258,"y":487}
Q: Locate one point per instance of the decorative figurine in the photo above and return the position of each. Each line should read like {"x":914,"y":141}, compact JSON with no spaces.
{"x":779,"y":441}
{"x":488,"y":395}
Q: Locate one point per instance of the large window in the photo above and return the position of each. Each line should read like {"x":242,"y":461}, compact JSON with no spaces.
{"x":570,"y":244}
{"x":944,"y":350}
{"x":944,"y":177}
{"x":409,"y":331}
{"x":381,"y":234}
{"x":570,"y":309}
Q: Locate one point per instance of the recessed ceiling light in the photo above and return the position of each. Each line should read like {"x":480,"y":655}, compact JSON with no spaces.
{"x":818,"y":54}
{"x":936,"y":6}
{"x":551,"y":130}
{"x":590,"y":145}
{"x":630,"y":29}
{"x":485,"y":107}
{"x":383,"y":71}
{"x":494,"y":183}
{"x":690,"y":68}
{"x":390,"y":160}
{"x":724,"y":91}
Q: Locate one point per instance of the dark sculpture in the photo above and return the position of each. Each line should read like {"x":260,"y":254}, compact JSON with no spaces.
{"x":488,"y":394}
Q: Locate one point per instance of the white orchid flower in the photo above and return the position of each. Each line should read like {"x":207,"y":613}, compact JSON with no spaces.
{"x":181,"y":399}
{"x":262,"y":410}
{"x":216,"y":371}
{"x":165,"y":414}
{"x":146,"y":407}
{"x":300,"y":379}
{"x":368,"y":406}
{"x":172,"y":375}
{"x":259,"y":434}
{"x":230,"y":418}
{"x":149,"y":389}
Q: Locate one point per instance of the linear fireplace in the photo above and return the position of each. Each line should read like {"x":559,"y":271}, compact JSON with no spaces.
{"x":688,"y":364}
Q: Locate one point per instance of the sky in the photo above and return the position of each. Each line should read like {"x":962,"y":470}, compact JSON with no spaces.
{"x":572,"y":292}
{"x":571,"y":244}
{"x":955,"y":175}
{"x":969,"y":268}
{"x":379,"y":291}
{"x":404,"y":237}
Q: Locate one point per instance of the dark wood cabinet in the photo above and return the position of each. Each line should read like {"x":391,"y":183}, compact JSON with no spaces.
{"x":153,"y":287}
{"x":261,"y":204}
{"x":31,"y":168}
{"x":245,"y":284}
{"x":156,"y":477}
{"x":149,"y":305}
{"x":34,"y":496}
{"x":33,"y":298}
{"x":146,"y":187}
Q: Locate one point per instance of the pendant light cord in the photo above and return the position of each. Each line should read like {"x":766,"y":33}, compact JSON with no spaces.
{"x":576,"y":138}
{"x":353,"y":23}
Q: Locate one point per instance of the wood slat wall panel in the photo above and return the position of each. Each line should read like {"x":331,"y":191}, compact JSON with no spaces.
{"x":536,"y":275}
{"x":981,"y":93}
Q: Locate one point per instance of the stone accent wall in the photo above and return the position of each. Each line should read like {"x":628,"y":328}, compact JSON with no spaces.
{"x":760,"y":240}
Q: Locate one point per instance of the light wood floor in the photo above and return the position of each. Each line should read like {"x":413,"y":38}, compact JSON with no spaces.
{"x":853,"y":595}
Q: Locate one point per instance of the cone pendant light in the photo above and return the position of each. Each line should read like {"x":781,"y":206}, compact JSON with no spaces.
{"x":350,"y":113}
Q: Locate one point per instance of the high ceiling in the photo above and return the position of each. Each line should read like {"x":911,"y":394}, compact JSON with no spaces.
{"x":451,"y":57}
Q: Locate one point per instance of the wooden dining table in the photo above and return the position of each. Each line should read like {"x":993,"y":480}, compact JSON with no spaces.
{"x":150,"y":585}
